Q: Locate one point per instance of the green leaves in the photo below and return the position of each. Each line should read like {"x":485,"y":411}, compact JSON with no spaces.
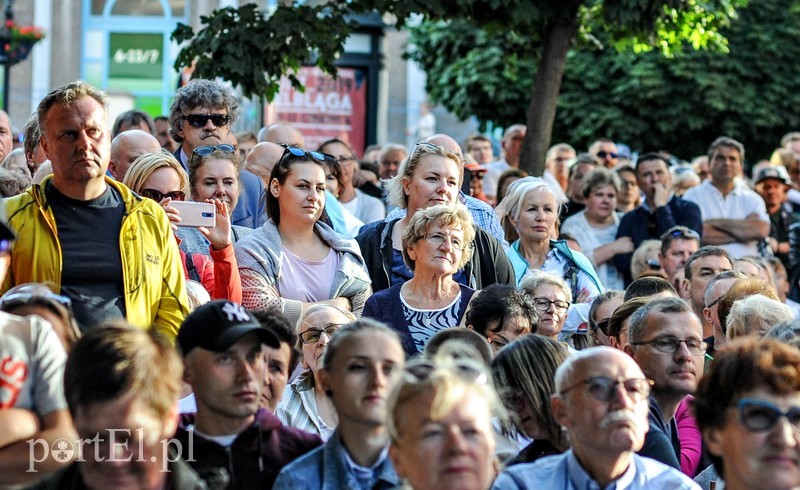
{"x":253,"y":50}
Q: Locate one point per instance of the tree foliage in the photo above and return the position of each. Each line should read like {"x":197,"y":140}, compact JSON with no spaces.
{"x":253,"y":50}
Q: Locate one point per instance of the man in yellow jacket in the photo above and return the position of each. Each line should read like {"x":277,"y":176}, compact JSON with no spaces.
{"x":89,"y":237}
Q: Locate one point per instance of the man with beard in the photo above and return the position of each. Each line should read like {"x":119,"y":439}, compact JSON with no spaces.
{"x":601,"y":401}
{"x":666,"y":339}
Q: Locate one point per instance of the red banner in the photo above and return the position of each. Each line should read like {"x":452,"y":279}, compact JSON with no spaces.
{"x":327,"y":109}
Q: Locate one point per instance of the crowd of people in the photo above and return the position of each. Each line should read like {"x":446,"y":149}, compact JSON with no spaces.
{"x":621,"y":321}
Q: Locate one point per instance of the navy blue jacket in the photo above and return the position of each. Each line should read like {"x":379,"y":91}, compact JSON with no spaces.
{"x":677,"y":212}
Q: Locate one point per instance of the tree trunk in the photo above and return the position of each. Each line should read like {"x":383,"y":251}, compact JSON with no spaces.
{"x":546,"y":87}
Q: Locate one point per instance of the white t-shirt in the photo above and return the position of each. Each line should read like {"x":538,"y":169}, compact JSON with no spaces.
{"x":31,"y":365}
{"x":738,"y":204}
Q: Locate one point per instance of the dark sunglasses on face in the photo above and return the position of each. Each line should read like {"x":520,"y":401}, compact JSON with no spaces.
{"x":603,"y":326}
{"x":200,"y":120}
{"x":762,"y":416}
{"x":204,"y":151}
{"x":607,"y":154}
{"x":158,"y":196}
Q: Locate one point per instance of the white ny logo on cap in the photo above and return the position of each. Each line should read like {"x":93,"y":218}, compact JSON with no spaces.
{"x":235,"y":312}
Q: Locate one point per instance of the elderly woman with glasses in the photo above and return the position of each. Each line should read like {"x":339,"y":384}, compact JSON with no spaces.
{"x":296,"y":260}
{"x":748,"y":408}
{"x":430,"y":175}
{"x":529,"y":215}
{"x":159,"y":176}
{"x":436,"y":244}
{"x":364,"y":207}
{"x":552,"y":299}
{"x":304,"y":404}
{"x":440,"y":423}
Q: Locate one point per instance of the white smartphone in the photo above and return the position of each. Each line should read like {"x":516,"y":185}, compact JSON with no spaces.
{"x":196,"y":214}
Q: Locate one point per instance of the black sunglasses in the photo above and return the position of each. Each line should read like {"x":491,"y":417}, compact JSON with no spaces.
{"x":303,"y":153}
{"x":204,"y":151}
{"x":608,"y":154}
{"x":158,"y":196}
{"x":200,"y":120}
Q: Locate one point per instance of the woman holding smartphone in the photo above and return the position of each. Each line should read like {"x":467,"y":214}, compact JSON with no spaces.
{"x":295,"y":259}
{"x":160,"y":177}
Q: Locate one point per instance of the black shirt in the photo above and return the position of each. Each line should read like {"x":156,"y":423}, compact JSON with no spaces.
{"x":91,"y":273}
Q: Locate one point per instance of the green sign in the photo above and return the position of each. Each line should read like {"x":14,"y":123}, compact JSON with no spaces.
{"x":136,"y":56}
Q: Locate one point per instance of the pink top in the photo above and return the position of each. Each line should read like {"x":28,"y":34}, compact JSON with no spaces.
{"x":307,"y":280}
{"x":690,"y":437}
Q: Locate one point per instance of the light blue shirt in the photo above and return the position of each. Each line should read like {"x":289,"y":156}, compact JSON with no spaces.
{"x":564,"y":472}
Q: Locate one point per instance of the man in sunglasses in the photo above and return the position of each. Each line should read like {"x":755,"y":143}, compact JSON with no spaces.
{"x":606,"y":151}
{"x":666,"y":340}
{"x":601,"y":401}
{"x":748,"y":409}
{"x":202,"y":114}
{"x":109,"y":251}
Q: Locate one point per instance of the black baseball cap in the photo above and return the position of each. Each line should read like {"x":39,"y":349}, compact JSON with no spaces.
{"x":219,"y":324}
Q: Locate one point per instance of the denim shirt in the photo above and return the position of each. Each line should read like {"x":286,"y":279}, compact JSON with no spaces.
{"x":326,"y":468}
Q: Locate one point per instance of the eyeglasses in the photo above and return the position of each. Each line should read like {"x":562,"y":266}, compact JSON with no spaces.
{"x":449,"y":153}
{"x":514,"y":402}
{"x":302,"y":153}
{"x":607,"y":154}
{"x":653,"y":264}
{"x":670,"y":345}
{"x":18,"y":299}
{"x":438,"y":240}
{"x":200,"y":120}
{"x":603,"y":388}
{"x":344,"y":159}
{"x":463,"y":368}
{"x":204,"y":151}
{"x":159,"y":196}
{"x":763,"y":416}
{"x":312,"y":335}
{"x":543,"y":304}
{"x":711,"y":305}
{"x":686,"y":234}
{"x":603,"y":326}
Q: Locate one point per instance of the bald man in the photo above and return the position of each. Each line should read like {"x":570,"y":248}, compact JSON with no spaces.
{"x":282,"y":133}
{"x":262,"y":158}
{"x":126,"y":147}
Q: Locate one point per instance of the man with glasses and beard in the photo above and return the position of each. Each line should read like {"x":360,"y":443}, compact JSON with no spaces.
{"x":202,"y":115}
{"x":601,"y":401}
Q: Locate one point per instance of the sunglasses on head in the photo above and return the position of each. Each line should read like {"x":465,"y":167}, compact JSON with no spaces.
{"x":204,"y":151}
{"x":158,"y":196}
{"x":688,"y":234}
{"x":200,"y":120}
{"x":303,"y":153}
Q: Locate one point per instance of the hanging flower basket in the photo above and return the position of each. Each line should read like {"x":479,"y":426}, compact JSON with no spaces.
{"x":17,"y":41}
